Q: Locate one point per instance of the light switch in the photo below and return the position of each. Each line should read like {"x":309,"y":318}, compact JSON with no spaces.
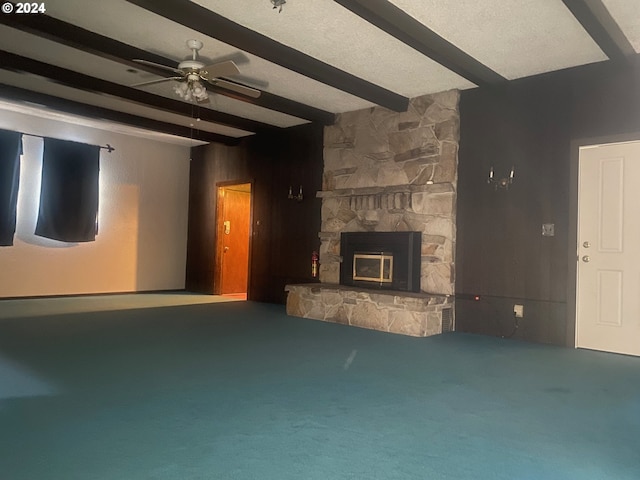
{"x":548,"y":229}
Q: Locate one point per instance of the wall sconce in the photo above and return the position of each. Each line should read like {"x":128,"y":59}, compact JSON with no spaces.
{"x":500,"y":182}
{"x":297,"y":197}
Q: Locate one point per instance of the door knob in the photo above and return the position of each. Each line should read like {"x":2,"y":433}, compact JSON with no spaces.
{"x":226,"y":249}
{"x":586,"y":244}
{"x":586,"y":259}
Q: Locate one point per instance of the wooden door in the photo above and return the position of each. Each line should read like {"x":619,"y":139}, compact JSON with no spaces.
{"x":608,"y":289}
{"x":234,"y":223}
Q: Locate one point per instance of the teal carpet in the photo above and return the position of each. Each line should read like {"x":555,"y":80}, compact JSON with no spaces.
{"x":241,"y":391}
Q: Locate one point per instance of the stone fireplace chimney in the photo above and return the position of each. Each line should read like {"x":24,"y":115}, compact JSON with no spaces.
{"x":389,"y":172}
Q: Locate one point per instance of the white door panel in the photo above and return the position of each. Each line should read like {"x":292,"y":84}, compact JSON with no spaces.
{"x":608,"y":290}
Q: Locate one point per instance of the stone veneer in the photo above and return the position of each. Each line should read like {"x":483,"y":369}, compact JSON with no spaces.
{"x":412,"y":314}
{"x":385,"y":172}
{"x":377,"y":167}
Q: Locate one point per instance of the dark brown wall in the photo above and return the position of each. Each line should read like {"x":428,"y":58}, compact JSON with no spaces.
{"x":534,"y":124}
{"x":209,"y":164}
{"x":285,"y":232}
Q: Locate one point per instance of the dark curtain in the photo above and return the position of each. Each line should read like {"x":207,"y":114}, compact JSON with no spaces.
{"x":10,"y":151}
{"x":69,"y":191}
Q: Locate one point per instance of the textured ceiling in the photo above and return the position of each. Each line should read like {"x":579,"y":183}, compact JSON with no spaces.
{"x":331,"y":33}
{"x":319,"y":57}
{"x":514,"y":38}
{"x":627,"y":15}
{"x":132,"y":25}
{"x":42,"y":85}
{"x":39,"y":112}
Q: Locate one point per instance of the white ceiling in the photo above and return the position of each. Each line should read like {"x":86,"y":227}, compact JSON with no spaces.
{"x":627,"y":15}
{"x":331,"y":33}
{"x":40,"y":112}
{"x":513,"y":38}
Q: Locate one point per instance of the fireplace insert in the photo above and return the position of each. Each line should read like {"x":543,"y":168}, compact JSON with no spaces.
{"x":373,"y":267}
{"x":385,"y":260}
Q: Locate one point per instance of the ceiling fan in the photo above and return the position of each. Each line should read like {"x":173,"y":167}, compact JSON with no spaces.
{"x":193,"y":75}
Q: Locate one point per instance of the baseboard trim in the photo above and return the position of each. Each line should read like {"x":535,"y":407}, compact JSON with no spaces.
{"x":97,"y":294}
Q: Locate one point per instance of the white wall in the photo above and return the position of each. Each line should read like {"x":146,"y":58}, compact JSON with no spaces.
{"x":142,"y":239}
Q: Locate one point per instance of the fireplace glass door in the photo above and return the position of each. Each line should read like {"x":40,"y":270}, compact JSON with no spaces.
{"x":373,"y":267}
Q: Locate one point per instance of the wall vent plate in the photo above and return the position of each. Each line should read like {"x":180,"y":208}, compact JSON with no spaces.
{"x":447,"y":320}
{"x":548,"y":229}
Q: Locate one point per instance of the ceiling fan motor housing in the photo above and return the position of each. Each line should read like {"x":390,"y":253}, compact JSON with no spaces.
{"x":190,"y":65}
{"x":193,"y":77}
{"x":194,"y":44}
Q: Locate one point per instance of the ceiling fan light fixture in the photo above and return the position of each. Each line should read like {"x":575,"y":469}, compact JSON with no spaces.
{"x":193,"y":75}
{"x":197,"y":90}
{"x":191,"y":90}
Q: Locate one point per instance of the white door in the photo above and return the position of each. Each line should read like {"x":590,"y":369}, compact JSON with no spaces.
{"x":608,"y":290}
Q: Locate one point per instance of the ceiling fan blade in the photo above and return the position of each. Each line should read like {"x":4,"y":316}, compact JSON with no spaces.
{"x":251,"y":81}
{"x":157,"y":80}
{"x":235,"y":87}
{"x":222,"y":69}
{"x":157,"y":65}
{"x":239,"y":58}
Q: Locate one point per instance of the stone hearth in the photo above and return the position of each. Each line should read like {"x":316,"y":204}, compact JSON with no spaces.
{"x":405,"y":313}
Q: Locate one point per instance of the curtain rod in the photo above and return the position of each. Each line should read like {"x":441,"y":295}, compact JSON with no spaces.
{"x":108,"y":147}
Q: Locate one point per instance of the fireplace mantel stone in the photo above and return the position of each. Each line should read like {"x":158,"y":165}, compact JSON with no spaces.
{"x":406,"y":313}
{"x":367,"y":191}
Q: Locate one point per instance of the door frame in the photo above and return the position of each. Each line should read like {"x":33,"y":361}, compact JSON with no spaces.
{"x":572,"y":237}
{"x":217,"y":270}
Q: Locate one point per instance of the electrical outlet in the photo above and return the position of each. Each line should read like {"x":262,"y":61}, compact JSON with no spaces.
{"x":518,"y":310}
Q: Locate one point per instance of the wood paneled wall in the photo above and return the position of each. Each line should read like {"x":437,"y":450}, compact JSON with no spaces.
{"x":534,"y":124}
{"x":285,"y":232}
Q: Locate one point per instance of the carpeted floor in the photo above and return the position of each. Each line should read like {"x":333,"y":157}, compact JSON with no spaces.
{"x":241,"y":391}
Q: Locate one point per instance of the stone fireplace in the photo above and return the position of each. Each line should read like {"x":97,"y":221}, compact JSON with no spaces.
{"x":388,"y":172}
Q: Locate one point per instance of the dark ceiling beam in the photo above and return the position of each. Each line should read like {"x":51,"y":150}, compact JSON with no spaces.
{"x":76,"y":37}
{"x":600,"y":25}
{"x":209,"y":23}
{"x":62,"y":76}
{"x":12,"y":93}
{"x":73,"y":36}
{"x":410,"y":31}
{"x":281,"y":104}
